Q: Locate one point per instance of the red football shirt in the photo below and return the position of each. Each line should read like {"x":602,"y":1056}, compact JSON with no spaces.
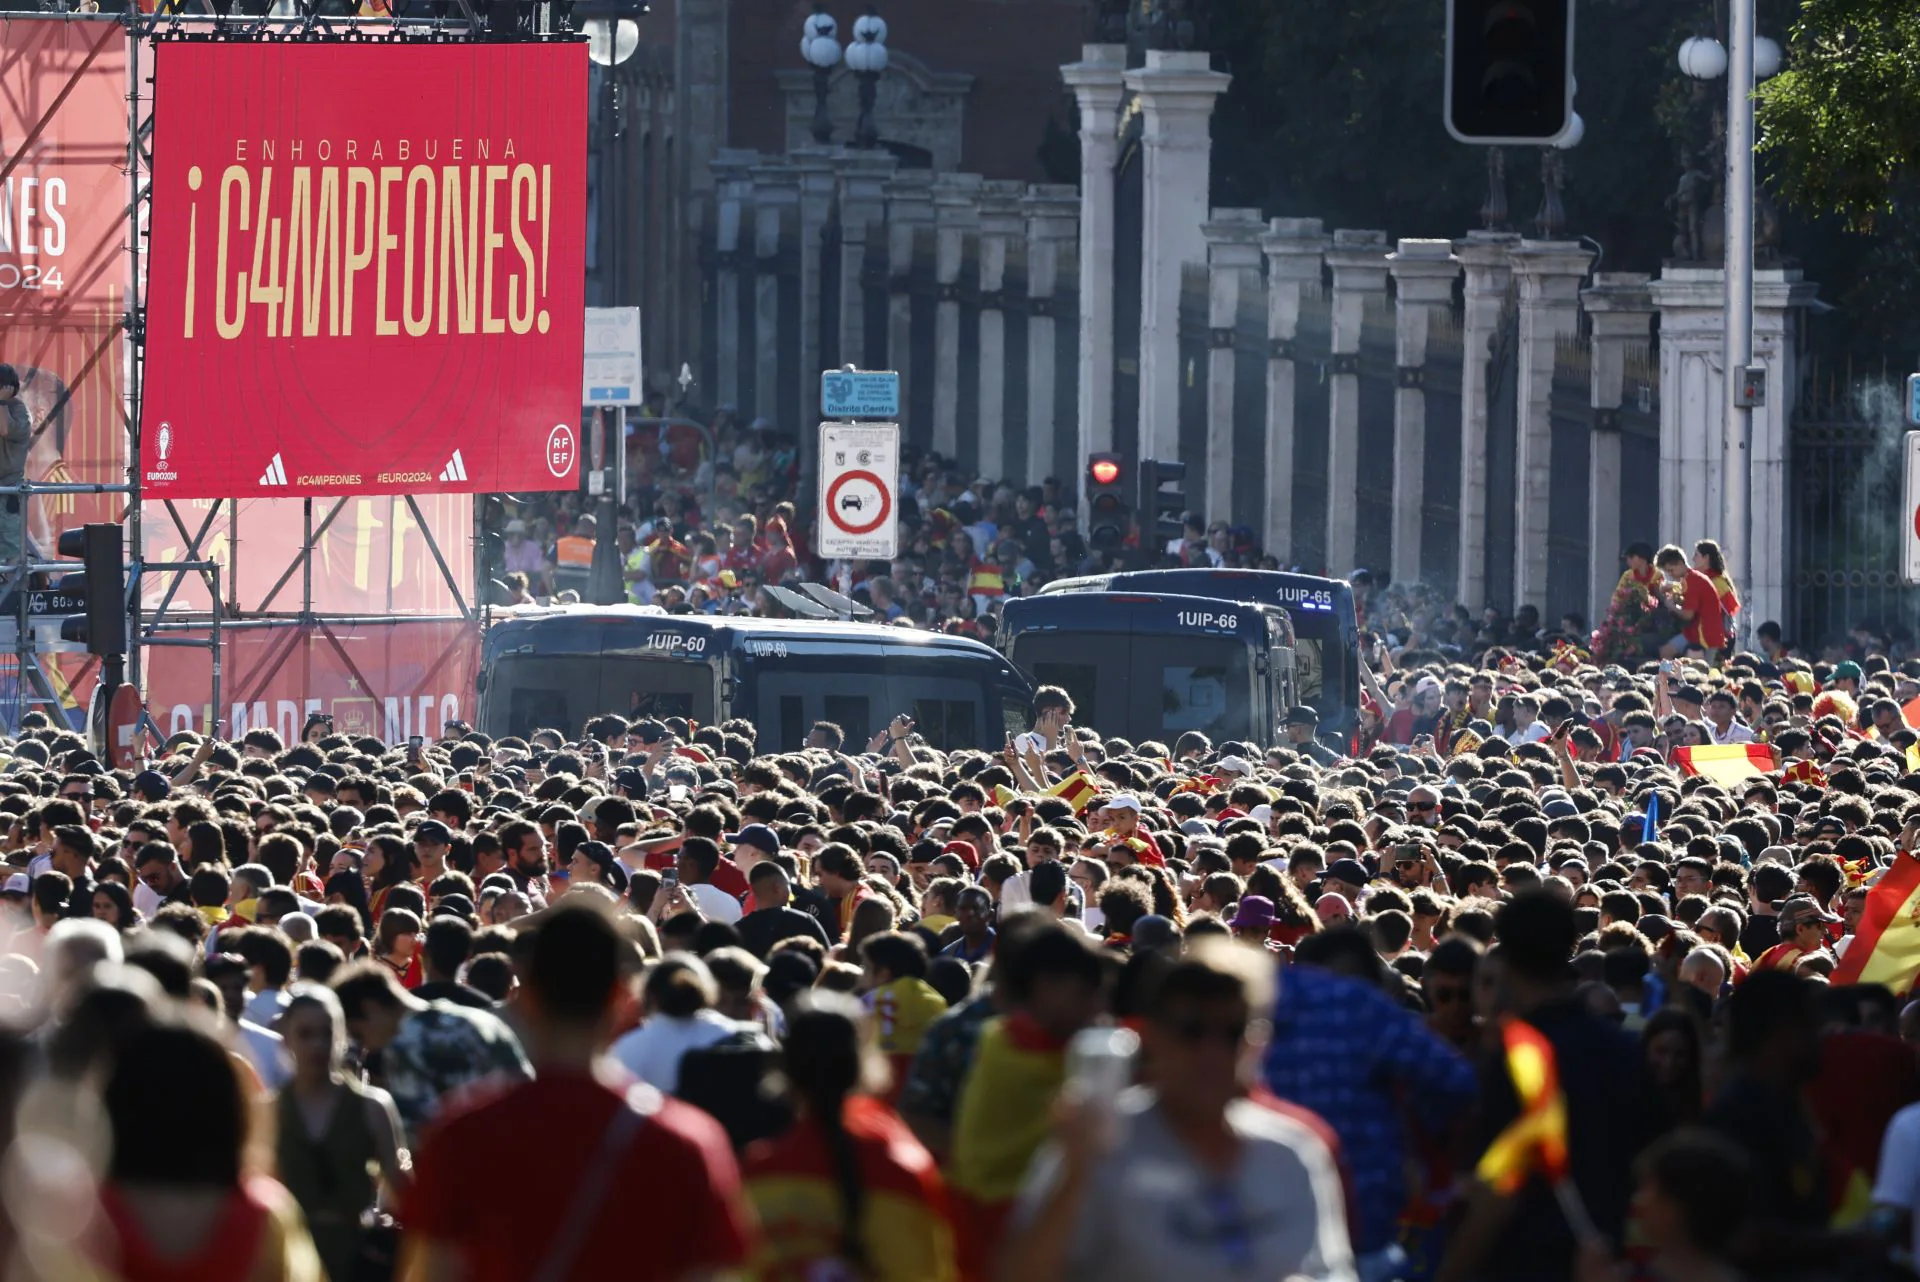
{"x":1707,"y":628}
{"x":496,"y":1175}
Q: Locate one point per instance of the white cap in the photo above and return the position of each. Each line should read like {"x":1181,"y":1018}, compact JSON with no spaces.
{"x":1261,"y":814}
{"x":1233,"y":766}
{"x":1125,"y":801}
{"x":17,"y":884}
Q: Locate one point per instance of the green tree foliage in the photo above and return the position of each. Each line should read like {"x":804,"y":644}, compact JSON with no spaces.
{"x":1842,"y":122}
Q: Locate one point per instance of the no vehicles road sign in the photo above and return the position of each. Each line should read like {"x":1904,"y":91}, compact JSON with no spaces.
{"x":859,"y":470}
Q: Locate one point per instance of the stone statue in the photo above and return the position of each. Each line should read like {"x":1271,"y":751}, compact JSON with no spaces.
{"x":1689,"y":206}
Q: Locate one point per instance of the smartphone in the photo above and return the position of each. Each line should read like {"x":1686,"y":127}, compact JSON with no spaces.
{"x":669,"y":876}
{"x":414,"y":744}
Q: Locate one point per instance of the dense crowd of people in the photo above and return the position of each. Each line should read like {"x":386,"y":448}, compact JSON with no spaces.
{"x":641,"y":999}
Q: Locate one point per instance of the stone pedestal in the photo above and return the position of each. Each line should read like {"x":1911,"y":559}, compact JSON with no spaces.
{"x":1098,"y":83}
{"x":1692,"y":355}
{"x":1176,"y":92}
{"x":909,"y":196}
{"x":1052,"y":224}
{"x":776,"y":203}
{"x":1233,"y":272}
{"x":956,"y":215}
{"x":863,"y":178}
{"x":1549,"y":274}
{"x":1423,"y":275}
{"x":1001,"y":220}
{"x":732,"y":241}
{"x":816,"y":205}
{"x":1359,"y":262}
{"x":1484,"y":257}
{"x":1621,"y":311}
{"x":1293,"y":249}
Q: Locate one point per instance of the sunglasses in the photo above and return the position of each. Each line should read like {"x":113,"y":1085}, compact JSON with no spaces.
{"x":1416,"y":807}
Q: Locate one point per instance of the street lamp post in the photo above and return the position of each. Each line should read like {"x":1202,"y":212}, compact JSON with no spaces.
{"x":610,"y":43}
{"x":820,"y":46}
{"x":1746,"y":58}
{"x":867,"y":58}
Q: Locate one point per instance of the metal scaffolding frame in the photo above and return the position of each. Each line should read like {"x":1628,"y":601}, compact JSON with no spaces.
{"x":167,"y":624}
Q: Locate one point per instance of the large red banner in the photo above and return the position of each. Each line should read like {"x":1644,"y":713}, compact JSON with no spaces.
{"x":366,"y":269}
{"x":64,"y":196}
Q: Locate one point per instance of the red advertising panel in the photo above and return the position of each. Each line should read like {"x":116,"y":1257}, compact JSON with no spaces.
{"x":63,"y":255}
{"x":385,"y":679}
{"x":366,"y":269}
{"x":373,"y":555}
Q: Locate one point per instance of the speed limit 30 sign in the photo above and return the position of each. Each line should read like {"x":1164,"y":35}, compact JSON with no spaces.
{"x":859,"y":511}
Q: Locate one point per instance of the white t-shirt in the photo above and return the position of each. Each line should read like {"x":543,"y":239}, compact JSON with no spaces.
{"x":1898,"y":1183}
{"x":1736,"y":733}
{"x":652,"y":1051}
{"x":717,"y":904}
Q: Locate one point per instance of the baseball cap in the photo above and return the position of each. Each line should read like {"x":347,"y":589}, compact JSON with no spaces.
{"x":1125,"y":801}
{"x":1798,"y":910}
{"x":759,"y":836}
{"x":434,"y":833}
{"x":454,"y":905}
{"x":631,"y":780}
{"x":1845,"y":670}
{"x":151,"y":785}
{"x":1261,"y":814}
{"x":1349,"y":871}
{"x":1233,"y":766}
{"x":968,"y":852}
{"x":18,"y":884}
{"x":1686,"y":694}
{"x":1301,"y":715}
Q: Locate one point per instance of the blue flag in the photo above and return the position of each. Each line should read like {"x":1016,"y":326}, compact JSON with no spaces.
{"x":1650,"y":830}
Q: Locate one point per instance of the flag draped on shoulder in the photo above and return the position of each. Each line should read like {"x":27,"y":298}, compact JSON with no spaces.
{"x":1077,"y":790}
{"x":1886,"y":947}
{"x":1536,"y":1141}
{"x":1727,"y":764}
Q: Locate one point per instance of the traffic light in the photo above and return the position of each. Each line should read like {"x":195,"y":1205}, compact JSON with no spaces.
{"x":1509,"y":70}
{"x":1106,"y":501}
{"x":1160,"y":510}
{"x":103,"y":628}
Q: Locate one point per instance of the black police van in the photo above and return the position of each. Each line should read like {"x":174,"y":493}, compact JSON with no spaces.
{"x":1148,"y":665}
{"x":562,"y":666}
{"x":1326,"y":633}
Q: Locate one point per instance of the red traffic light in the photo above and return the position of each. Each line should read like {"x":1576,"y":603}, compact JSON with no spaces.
{"x":1104,"y":471}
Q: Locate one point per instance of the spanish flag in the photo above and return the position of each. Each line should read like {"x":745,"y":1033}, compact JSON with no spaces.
{"x":1464,"y":744}
{"x":1727,"y":764}
{"x":1536,"y":1141}
{"x":1077,"y":790}
{"x":1886,"y":947}
{"x":1729,"y":598}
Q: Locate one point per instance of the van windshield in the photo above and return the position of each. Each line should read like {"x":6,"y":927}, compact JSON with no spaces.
{"x":566,"y":691}
{"x":1156,"y":686}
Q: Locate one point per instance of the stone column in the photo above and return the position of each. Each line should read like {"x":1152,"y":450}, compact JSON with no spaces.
{"x":863,"y":177}
{"x":956,"y":213}
{"x":1052,"y":225}
{"x":1176,"y":92}
{"x":1483,"y":254}
{"x":734,"y":182}
{"x":1097,"y":81}
{"x":1233,"y":271}
{"x":816,"y":204}
{"x":909,"y":196}
{"x":1692,"y":350}
{"x":1423,"y":276}
{"x":1549,"y":274}
{"x":1359,"y":262}
{"x":1622,"y":313}
{"x":1001,"y":219}
{"x":776,"y":201}
{"x":1293,"y":248}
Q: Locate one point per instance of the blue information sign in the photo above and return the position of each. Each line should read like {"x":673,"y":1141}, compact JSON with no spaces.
{"x":859,"y":393}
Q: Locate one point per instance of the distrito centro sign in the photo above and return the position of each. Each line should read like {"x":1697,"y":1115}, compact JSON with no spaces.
{"x":859,"y":473}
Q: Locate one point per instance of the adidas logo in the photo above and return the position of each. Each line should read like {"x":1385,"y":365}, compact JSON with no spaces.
{"x":276,"y":473}
{"x":455,"y":470}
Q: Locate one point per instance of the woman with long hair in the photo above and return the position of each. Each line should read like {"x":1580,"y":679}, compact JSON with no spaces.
{"x":389,"y":861}
{"x":346,"y":887}
{"x":333,"y":1134}
{"x":178,"y":1199}
{"x":206,"y":844}
{"x":113,"y":904}
{"x":1672,"y":1045}
{"x":847,"y":1191}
